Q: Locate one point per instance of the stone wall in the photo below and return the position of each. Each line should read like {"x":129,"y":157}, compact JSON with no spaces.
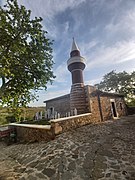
{"x":106,"y":106}
{"x":66,"y":124}
{"x":100,"y":105}
{"x":37,"y":133}
{"x":33,"y":133}
{"x":60,"y":104}
{"x":94,"y":106}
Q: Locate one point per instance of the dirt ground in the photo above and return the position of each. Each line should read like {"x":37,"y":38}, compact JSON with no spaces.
{"x":104,"y":151}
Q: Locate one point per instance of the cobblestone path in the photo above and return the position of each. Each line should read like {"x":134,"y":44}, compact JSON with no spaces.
{"x":104,"y":151}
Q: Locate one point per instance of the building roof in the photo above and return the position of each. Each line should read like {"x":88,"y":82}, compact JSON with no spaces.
{"x":101,"y":93}
{"x":60,"y":97}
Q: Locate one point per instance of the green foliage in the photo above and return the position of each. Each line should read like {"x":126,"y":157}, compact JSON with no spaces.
{"x":29,"y":112}
{"x":3,"y":116}
{"x":6,"y":115}
{"x":122,"y":82}
{"x":25,"y":55}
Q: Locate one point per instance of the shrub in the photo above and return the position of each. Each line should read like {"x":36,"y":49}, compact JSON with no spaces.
{"x":10,"y":119}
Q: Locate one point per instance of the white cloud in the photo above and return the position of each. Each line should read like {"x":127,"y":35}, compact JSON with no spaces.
{"x":61,"y":73}
{"x":118,"y":53}
{"x":86,"y":47}
{"x":46,"y":95}
{"x":54,"y":94}
{"x":122,"y":25}
{"x":52,"y":30}
{"x":57,"y":32}
{"x":49,"y":8}
{"x":51,"y":86}
{"x":66,"y":27}
{"x":93,"y":81}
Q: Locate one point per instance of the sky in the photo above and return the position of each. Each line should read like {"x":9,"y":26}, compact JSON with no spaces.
{"x":104,"y":31}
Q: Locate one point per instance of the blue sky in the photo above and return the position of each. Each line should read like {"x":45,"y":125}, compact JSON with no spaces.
{"x":103,"y":29}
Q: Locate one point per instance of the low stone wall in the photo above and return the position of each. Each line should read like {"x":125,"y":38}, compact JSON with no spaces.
{"x":64,"y":124}
{"x":33,"y":133}
{"x":37,"y":133}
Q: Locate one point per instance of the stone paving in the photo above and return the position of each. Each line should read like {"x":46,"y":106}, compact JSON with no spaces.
{"x":104,"y":151}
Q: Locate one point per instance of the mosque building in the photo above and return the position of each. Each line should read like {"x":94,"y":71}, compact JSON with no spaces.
{"x":84,"y":98}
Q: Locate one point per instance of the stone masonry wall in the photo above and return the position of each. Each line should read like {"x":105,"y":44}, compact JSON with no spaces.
{"x":30,"y":134}
{"x":94,"y":106}
{"x":106,"y":107}
{"x":66,"y":124}
{"x":27,"y":133}
{"x":78,"y":98}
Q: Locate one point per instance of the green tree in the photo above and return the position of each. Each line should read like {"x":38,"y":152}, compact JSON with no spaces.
{"x":122,"y":82}
{"x":25,"y":55}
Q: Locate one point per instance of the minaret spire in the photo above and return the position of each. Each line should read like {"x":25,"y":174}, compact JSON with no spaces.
{"x":74,"y":46}
{"x":74,"y":50}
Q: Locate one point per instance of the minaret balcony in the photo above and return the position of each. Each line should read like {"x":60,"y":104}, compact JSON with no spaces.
{"x":76,"y":59}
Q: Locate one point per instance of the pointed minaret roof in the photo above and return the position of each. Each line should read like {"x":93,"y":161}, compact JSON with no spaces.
{"x":74,"y":46}
{"x":75,"y":56}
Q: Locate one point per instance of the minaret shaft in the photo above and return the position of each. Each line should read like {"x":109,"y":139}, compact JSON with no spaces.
{"x":76,"y":65}
{"x":76,"y":70}
{"x":77,"y":76}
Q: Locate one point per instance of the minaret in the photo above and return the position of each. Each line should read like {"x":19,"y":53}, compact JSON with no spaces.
{"x":76,"y":65}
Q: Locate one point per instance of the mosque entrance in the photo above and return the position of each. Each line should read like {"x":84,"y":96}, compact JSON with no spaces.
{"x":114,"y":111}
